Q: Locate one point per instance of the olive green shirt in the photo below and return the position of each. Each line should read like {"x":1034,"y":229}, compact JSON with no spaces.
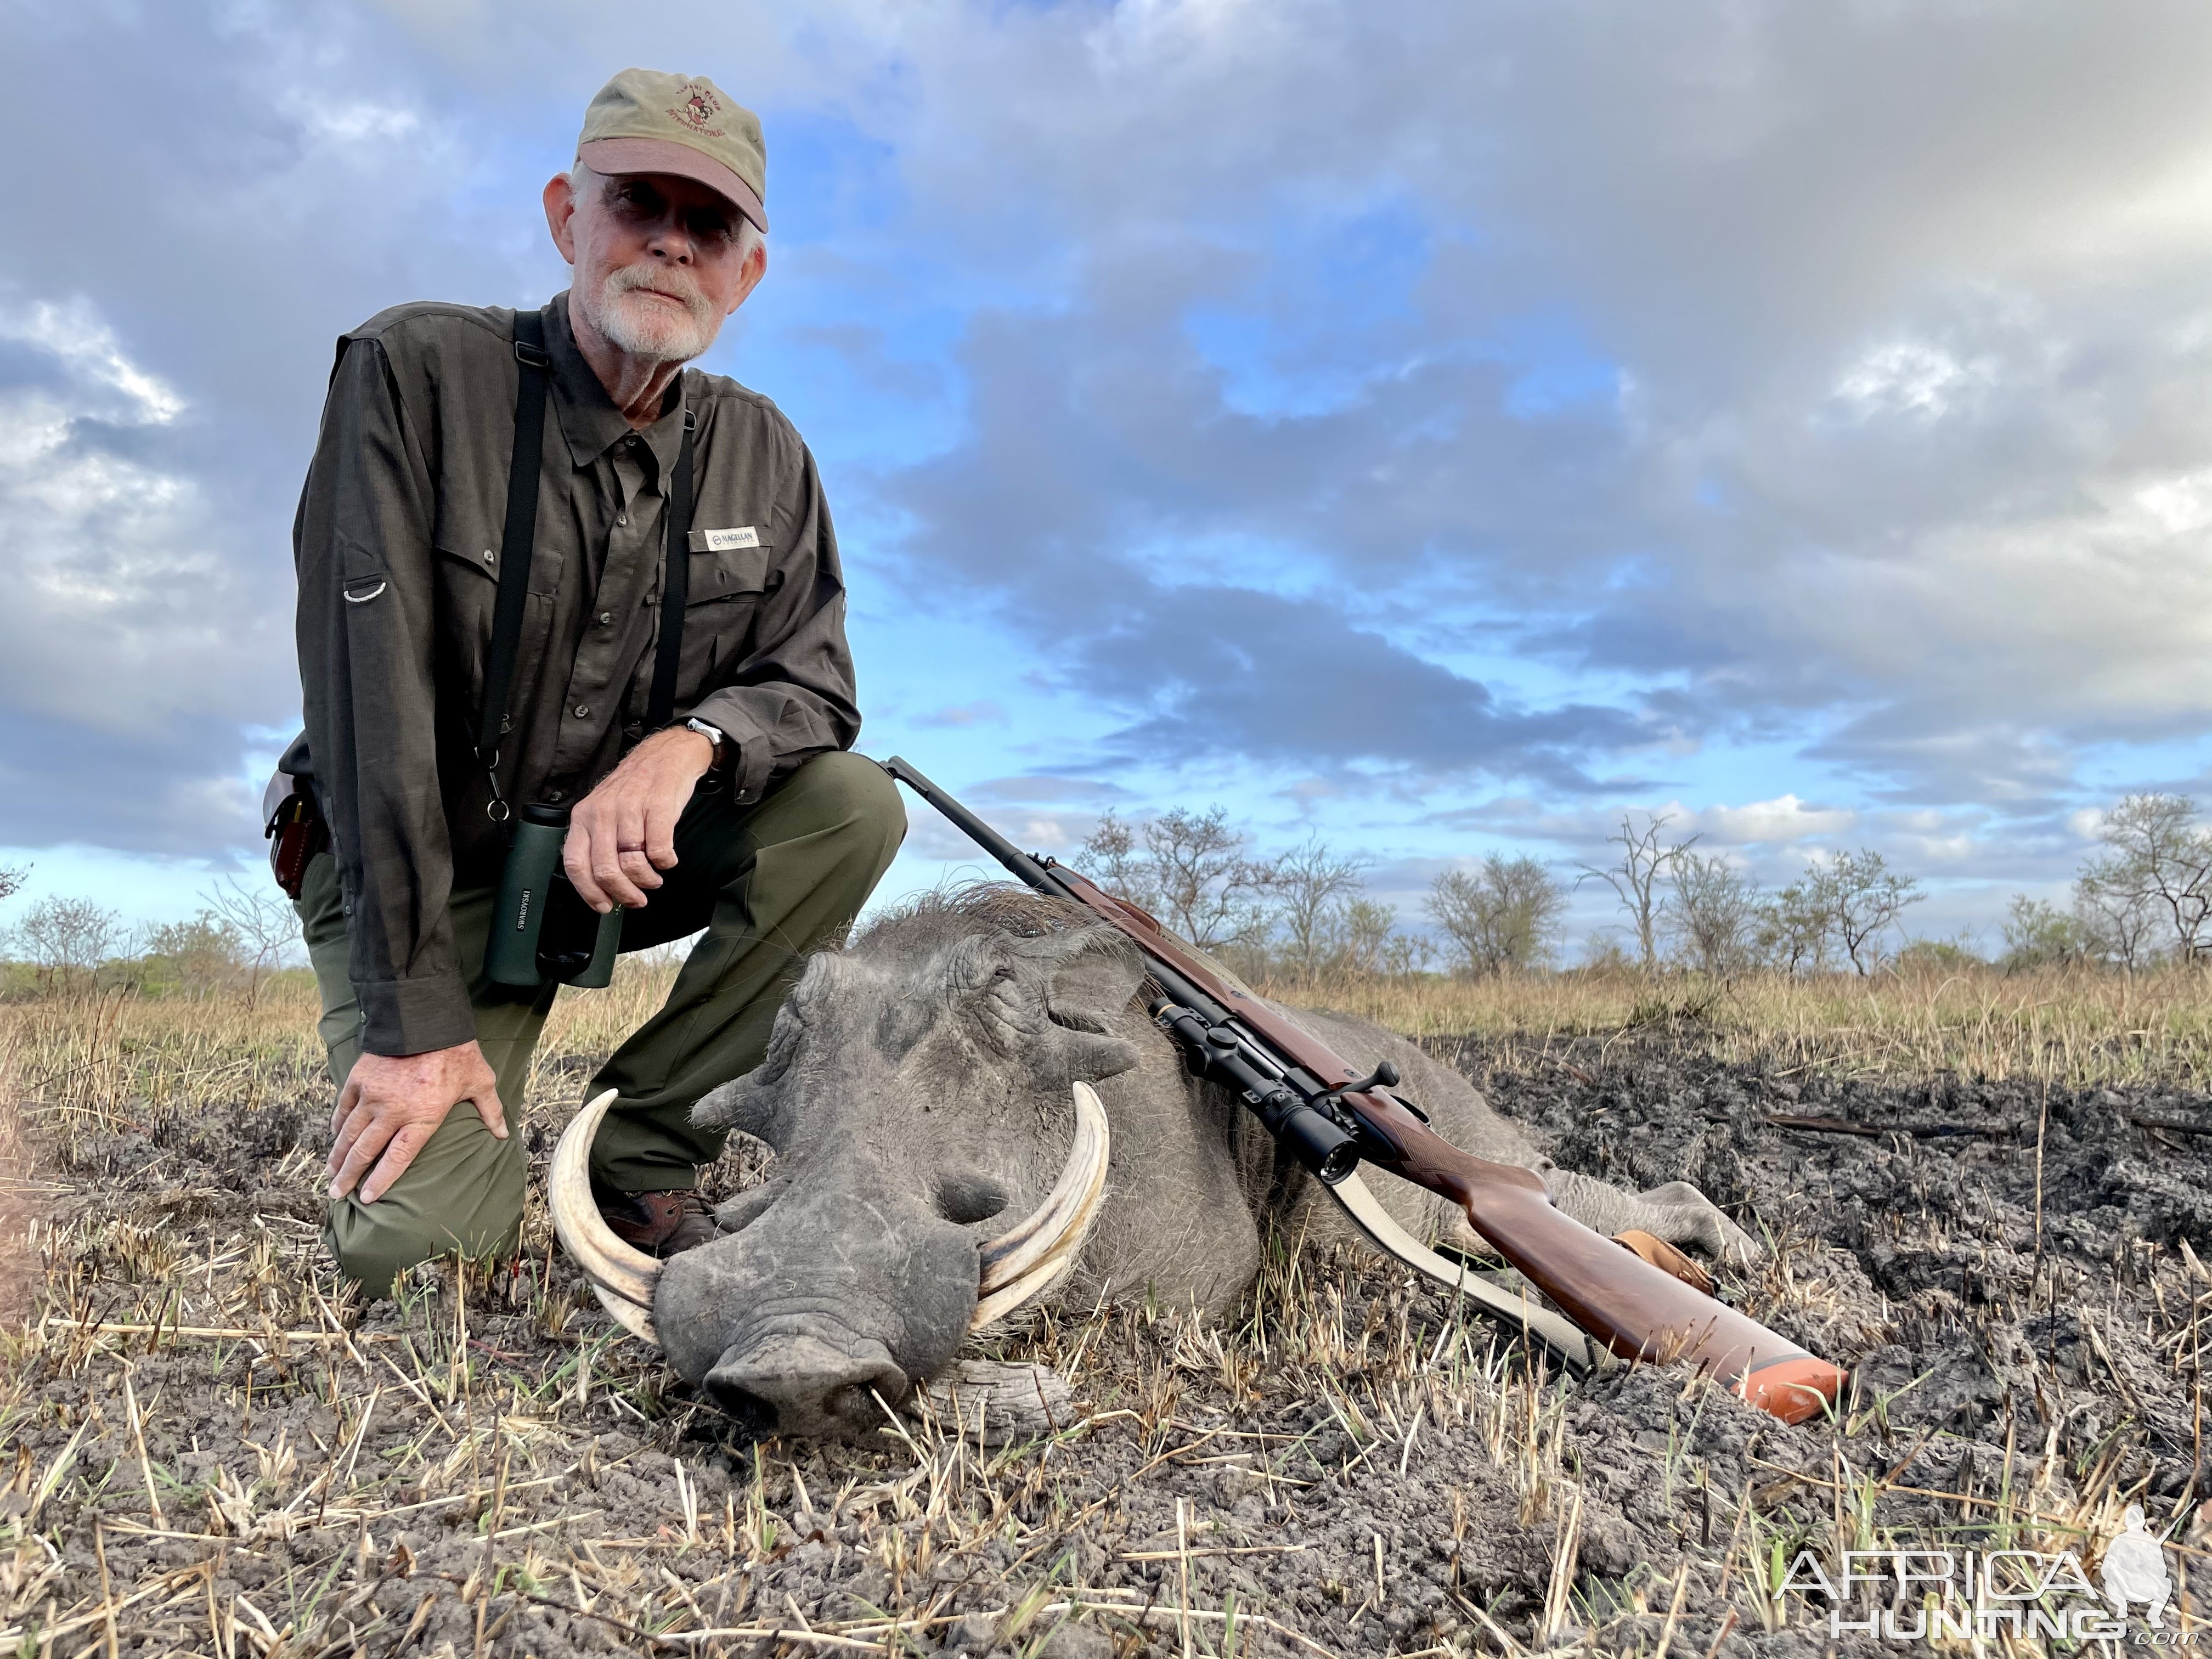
{"x":396,"y":544}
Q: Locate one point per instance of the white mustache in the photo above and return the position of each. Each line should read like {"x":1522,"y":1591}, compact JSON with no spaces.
{"x":628,"y":278}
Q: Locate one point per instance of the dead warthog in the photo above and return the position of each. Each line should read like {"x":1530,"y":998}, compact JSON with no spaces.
{"x":977,"y":1057}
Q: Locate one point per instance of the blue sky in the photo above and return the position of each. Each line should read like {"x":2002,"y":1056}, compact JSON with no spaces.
{"x":1435,"y":427}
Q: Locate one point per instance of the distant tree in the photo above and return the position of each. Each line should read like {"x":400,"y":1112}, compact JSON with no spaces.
{"x":12,"y":878}
{"x":1364,"y":938}
{"x":1313,"y":889}
{"x":1360,"y":940}
{"x":202,"y":954}
{"x":2119,"y":920}
{"x":2039,"y":934}
{"x":67,"y":939}
{"x":1116,"y":863}
{"x":1634,"y":877}
{"x":1712,"y":914}
{"x":1789,"y":932}
{"x":1403,"y":954}
{"x":2159,"y":858}
{"x":1601,"y":954}
{"x":264,"y":924}
{"x":1192,"y":873}
{"x":1504,"y":915}
{"x":1860,"y":897}
{"x":1355,"y":937}
{"x":1946,"y":956}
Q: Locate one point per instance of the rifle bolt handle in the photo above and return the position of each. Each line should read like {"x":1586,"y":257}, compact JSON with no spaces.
{"x":1384,"y":1076}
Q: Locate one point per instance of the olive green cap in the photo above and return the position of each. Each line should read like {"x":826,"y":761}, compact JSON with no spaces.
{"x":644,"y":121}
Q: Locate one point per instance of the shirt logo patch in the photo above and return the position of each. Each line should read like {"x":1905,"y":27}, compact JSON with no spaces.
{"x":722,"y":541}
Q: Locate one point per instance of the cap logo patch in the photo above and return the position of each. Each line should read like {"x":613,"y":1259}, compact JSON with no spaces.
{"x":699,"y":107}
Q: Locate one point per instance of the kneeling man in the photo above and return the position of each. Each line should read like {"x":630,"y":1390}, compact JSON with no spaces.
{"x":671,"y":669}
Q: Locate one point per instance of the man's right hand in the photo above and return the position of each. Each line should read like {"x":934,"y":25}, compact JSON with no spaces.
{"x":391,"y":1106}
{"x":623,"y":834}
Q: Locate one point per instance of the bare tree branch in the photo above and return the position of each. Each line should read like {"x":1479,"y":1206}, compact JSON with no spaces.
{"x":1635,"y":879}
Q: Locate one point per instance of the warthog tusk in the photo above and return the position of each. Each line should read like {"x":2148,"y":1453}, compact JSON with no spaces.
{"x":622,"y":1275}
{"x":1018,"y":1265}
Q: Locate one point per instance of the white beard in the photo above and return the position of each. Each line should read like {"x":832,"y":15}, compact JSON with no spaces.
{"x":647,"y":328}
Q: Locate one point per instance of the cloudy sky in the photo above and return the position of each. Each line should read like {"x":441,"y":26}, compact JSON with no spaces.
{"x":1435,"y":427}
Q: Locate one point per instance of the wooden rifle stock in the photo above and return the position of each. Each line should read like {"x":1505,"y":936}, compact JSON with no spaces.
{"x":1638,"y":1311}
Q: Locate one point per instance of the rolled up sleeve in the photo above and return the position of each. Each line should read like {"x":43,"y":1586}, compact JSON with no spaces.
{"x":361,"y":545}
{"x":792,"y":696}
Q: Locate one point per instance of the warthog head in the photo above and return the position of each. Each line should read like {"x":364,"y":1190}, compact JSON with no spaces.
{"x":924,"y":1092}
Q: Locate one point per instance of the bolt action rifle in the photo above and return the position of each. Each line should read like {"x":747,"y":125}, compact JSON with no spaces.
{"x":1333,"y":1120}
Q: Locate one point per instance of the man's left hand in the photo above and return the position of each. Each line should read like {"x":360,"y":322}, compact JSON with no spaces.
{"x":623,"y":834}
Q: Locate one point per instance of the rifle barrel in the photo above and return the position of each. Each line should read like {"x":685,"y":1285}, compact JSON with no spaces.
{"x":1039,"y":874}
{"x":1027,"y":865}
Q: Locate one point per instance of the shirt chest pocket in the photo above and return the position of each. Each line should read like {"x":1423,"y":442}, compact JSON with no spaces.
{"x":467,"y":576}
{"x":727,"y":575}
{"x":722,"y":596}
{"x":467,"y":572}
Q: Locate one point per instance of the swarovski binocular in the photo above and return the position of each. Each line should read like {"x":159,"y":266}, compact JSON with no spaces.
{"x":542,"y":930}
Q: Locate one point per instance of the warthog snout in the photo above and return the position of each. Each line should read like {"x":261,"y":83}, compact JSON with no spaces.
{"x":941,"y":1156}
{"x":799,"y":1384}
{"x":836,"y":1293}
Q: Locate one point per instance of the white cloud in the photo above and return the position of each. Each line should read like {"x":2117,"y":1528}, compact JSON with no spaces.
{"x":1910,"y":377}
{"x":114,"y":600}
{"x":72,"y":331}
{"x":2179,"y":505}
{"x":1899,"y":450}
{"x":930,"y":835}
{"x":1784,"y":821}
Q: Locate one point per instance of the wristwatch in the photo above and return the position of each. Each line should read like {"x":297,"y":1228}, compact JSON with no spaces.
{"x":714,"y":734}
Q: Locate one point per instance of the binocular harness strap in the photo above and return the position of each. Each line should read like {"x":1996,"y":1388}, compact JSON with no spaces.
{"x":675,"y":587}
{"x":532,"y":388}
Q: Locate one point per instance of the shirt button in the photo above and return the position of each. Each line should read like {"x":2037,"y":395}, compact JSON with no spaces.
{"x":621,"y":518}
{"x":556,"y":796}
{"x":606,"y":617}
{"x":582,"y":709}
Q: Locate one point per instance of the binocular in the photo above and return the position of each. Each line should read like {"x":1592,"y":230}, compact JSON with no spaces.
{"x":542,"y":929}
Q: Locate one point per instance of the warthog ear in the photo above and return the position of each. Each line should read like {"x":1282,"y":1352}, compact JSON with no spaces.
{"x":1091,"y":973}
{"x":736,"y":1105}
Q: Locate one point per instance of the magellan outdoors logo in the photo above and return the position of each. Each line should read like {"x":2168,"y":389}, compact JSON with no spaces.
{"x":699,"y":107}
{"x":1910,"y":1595}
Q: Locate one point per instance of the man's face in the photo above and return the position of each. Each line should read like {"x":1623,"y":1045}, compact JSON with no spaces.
{"x":657,"y":259}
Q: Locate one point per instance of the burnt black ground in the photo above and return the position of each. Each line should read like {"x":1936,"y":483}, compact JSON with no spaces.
{"x":1992,"y":1384}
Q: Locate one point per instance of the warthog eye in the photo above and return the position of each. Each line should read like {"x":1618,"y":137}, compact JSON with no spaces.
{"x":967,"y":1195}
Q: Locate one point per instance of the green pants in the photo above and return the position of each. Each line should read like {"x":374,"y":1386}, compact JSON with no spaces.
{"x":769,"y":883}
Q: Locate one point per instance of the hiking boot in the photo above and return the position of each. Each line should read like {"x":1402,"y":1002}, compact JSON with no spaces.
{"x":659,"y":1223}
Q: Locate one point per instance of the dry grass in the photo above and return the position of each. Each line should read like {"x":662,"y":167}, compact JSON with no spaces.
{"x":211,"y":1452}
{"x":96,"y":1059}
{"x":2067,"y":1027}
{"x":91,"y":1057}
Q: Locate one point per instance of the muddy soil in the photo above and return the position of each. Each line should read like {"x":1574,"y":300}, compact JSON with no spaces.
{"x":211,"y":1453}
